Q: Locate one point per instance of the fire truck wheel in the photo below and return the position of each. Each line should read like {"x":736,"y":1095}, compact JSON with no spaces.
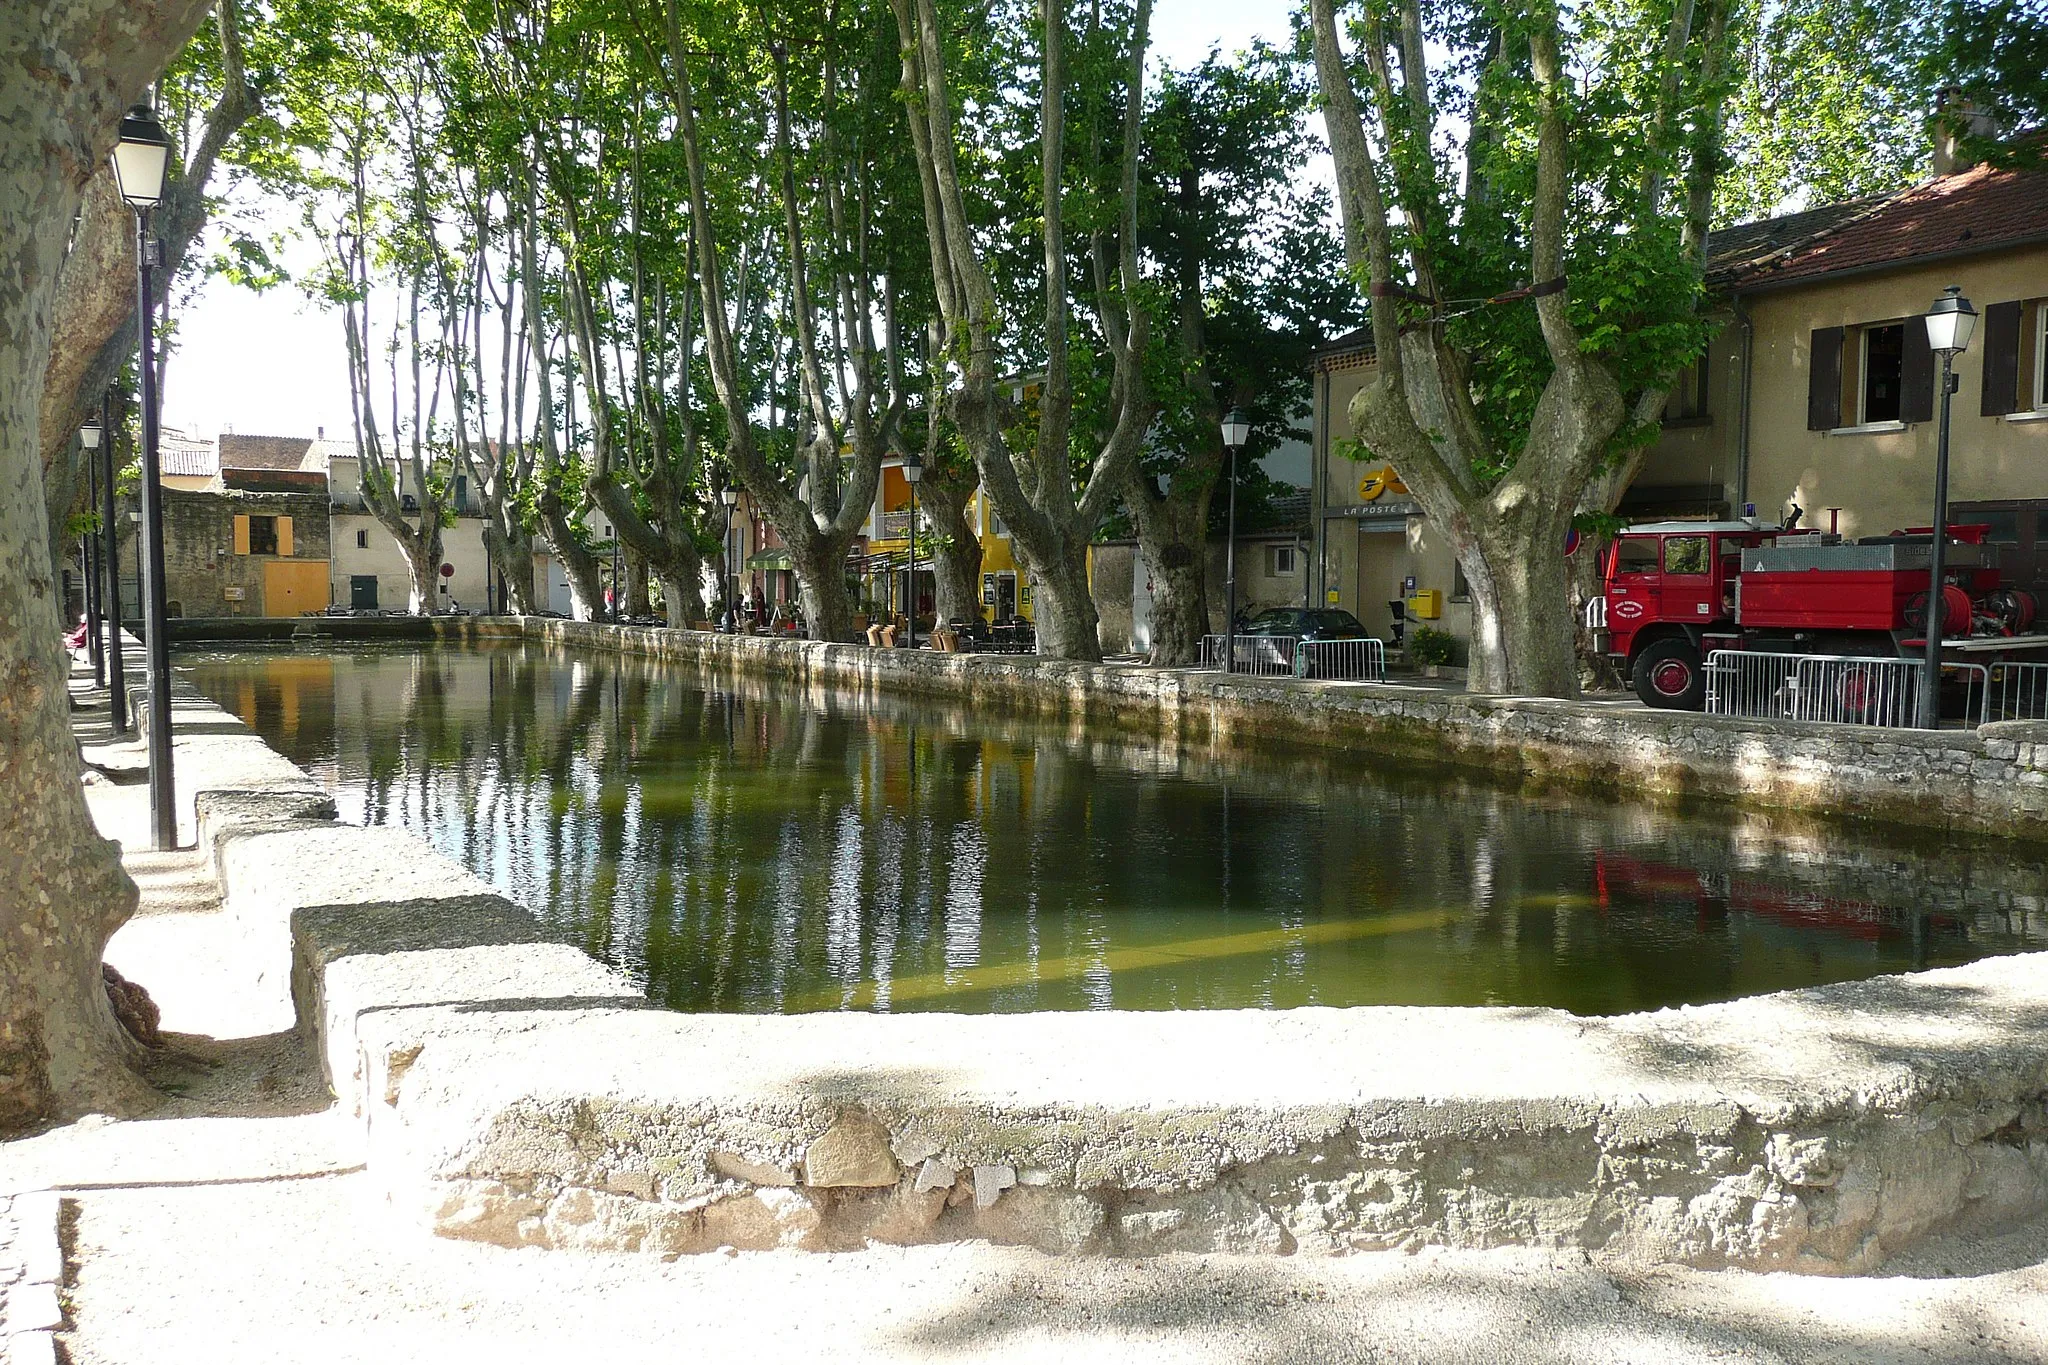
{"x":1667,"y":675}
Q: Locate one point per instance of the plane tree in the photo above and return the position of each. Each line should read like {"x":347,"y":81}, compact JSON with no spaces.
{"x":1531,"y":306}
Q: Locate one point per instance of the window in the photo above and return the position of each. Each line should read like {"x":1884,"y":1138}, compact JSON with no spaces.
{"x":1882,"y":374}
{"x":1635,"y":554}
{"x":1279,"y":561}
{"x":2038,"y":368}
{"x":1687,"y":405}
{"x":1872,"y":376}
{"x":362,"y":540}
{"x":1461,"y":589}
{"x":1685,"y":554}
{"x":995,"y":523}
{"x":262,"y":535}
{"x":461,"y":491}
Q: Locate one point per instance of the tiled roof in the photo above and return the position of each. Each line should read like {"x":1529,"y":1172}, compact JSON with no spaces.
{"x":1974,"y":210}
{"x":193,"y":461}
{"x":1286,"y":511}
{"x":1745,"y":246}
{"x":262,"y":452}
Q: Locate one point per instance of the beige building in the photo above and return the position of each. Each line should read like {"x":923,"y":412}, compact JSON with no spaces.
{"x":1818,"y":390}
{"x":1821,"y":391}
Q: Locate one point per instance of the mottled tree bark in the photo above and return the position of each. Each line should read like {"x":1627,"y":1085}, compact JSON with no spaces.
{"x":955,"y":548}
{"x":67,"y":68}
{"x":93,"y":319}
{"x":1172,"y":532}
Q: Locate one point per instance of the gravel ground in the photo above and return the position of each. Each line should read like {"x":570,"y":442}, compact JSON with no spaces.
{"x":236,"y":1224}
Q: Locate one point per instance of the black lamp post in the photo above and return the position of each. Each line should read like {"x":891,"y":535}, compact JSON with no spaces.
{"x":913,"y":474}
{"x":730,"y":496}
{"x":88,"y":558}
{"x":98,"y":435}
{"x":140,"y":158}
{"x":1949,"y":325}
{"x":1237,"y":427}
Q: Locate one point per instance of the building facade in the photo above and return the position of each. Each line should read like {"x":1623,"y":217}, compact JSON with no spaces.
{"x":1817,"y":391}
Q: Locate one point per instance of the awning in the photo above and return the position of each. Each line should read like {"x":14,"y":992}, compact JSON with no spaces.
{"x":769,"y":559}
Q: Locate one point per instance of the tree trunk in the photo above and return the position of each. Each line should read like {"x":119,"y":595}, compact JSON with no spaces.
{"x":579,"y":566}
{"x":511,"y":557}
{"x":65,"y":70}
{"x":955,"y":548}
{"x":819,"y":570}
{"x":1172,"y":538}
{"x":423,"y":565}
{"x":1065,"y":618}
{"x":682,"y":599}
{"x":636,"y":586}
{"x":1521,"y":636}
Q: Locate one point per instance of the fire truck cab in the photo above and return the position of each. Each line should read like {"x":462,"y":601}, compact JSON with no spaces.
{"x":1671,"y":595}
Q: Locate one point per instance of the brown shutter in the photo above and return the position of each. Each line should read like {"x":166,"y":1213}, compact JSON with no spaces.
{"x":1824,"y":380}
{"x":1916,"y":375}
{"x":241,"y":535}
{"x":2001,"y":359}
{"x":284,"y":536}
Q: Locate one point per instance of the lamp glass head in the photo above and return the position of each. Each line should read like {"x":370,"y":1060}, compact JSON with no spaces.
{"x":1951,"y":321}
{"x":89,"y":436}
{"x":140,"y":158}
{"x":913,"y":468}
{"x":1237,"y":428}
{"x":729,"y":495}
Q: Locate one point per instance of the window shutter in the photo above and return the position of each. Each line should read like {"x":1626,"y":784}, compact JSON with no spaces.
{"x":2001,"y":359}
{"x":284,"y":536}
{"x":1916,"y":378}
{"x":241,"y":535}
{"x":1824,"y":380}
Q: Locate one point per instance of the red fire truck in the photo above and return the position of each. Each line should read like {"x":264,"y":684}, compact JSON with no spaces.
{"x":1676,"y":591}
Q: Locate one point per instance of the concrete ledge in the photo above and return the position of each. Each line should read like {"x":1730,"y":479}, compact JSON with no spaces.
{"x":512,"y":1091}
{"x":1815,"y":1131}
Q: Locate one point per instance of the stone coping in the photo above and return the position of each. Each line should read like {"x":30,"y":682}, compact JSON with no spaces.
{"x":513,"y":1090}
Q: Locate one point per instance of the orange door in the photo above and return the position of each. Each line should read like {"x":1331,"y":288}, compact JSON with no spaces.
{"x":291,"y":587}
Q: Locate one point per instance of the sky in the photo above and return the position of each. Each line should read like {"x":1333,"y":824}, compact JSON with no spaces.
{"x":272,"y":364}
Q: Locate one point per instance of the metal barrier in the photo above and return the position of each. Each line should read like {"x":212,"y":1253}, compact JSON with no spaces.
{"x":1839,"y":689}
{"x":1265,"y":656}
{"x":2013,"y":691}
{"x":1596,"y":612}
{"x":1358,"y":660}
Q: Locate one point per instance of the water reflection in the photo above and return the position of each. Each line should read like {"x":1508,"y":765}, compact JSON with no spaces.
{"x":743,"y":849}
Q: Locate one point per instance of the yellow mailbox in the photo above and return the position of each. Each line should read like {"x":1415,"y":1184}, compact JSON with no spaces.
{"x":1426,"y":604}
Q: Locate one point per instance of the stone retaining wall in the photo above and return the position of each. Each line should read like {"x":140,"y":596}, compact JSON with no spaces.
{"x":1989,"y":781}
{"x":513,"y":1091}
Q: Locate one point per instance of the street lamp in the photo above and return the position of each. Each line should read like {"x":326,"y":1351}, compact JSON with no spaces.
{"x":140,"y":158}
{"x":730,"y":496}
{"x":1237,"y":428}
{"x":88,"y":561}
{"x":1949,"y":325}
{"x":913,"y":474}
{"x":99,"y":434}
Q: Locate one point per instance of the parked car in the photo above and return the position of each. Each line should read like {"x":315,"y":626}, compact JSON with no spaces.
{"x":1281,"y":631}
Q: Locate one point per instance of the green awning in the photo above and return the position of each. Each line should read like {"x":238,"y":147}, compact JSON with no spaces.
{"x":769,"y":559}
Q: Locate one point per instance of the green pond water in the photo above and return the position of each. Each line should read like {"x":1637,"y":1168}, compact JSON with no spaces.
{"x":762,"y":851}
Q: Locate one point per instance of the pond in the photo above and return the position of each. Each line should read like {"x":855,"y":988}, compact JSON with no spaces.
{"x":757,"y":850}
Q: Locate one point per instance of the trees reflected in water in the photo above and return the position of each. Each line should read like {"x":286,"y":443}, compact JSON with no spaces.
{"x":740,"y":848}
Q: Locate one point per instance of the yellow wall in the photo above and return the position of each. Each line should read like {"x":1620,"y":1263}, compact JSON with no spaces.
{"x":1886,"y":480}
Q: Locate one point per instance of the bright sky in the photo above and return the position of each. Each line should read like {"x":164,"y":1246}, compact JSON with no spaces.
{"x":272,"y":364}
